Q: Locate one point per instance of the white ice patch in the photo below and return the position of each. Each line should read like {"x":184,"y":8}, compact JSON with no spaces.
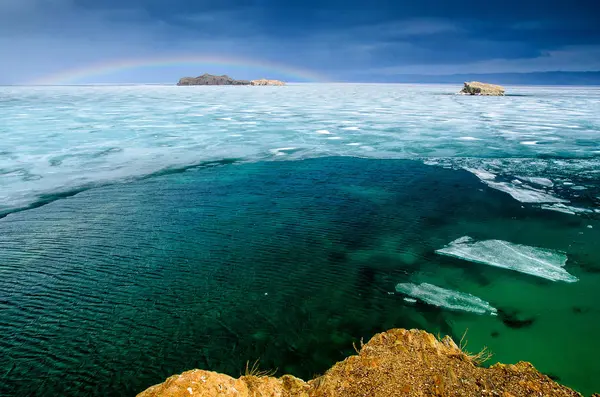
{"x":323,"y":132}
{"x":281,"y":151}
{"x":524,"y":194}
{"x":517,"y":190}
{"x":468,"y":138}
{"x":333,"y":138}
{"x":529,"y":143}
{"x":539,"y":262}
{"x":567,"y":209}
{"x":537,"y":181}
{"x":482,"y":174}
{"x":351,"y":128}
{"x":445,"y":298}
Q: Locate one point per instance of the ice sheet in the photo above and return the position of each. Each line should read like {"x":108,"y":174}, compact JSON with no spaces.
{"x":537,"y":181}
{"x":523,"y":194}
{"x":516,"y":189}
{"x":446,"y":298}
{"x":567,"y":209}
{"x":539,"y":262}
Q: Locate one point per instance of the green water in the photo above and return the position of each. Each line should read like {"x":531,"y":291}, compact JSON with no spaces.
{"x":116,"y":288}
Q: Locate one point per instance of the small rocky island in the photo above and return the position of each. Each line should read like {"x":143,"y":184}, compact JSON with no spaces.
{"x":398,"y":362}
{"x":477,"y":88}
{"x":209,"y":79}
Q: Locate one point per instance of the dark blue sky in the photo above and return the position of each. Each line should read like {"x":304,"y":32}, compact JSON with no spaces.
{"x":342,"y":40}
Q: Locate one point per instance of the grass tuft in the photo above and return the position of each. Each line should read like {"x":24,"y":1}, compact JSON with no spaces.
{"x":476,"y":358}
{"x":254,"y":370}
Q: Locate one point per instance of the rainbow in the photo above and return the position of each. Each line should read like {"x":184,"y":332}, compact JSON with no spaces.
{"x":87,"y":73}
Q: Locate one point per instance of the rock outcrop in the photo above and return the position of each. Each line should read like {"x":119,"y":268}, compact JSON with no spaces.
{"x":394,"y":363}
{"x":266,"y":82}
{"x":209,"y":79}
{"x":477,"y":88}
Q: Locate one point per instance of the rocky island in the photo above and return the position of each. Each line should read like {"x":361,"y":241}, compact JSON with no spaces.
{"x":477,"y":88}
{"x":209,"y":79}
{"x":267,"y":82}
{"x":398,"y":362}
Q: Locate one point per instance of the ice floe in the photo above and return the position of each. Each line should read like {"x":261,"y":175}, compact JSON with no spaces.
{"x":567,"y":209}
{"x":537,"y":181}
{"x":445,"y":298}
{"x":481,"y":174}
{"x":516,"y":189}
{"x":523,"y":193}
{"x":282,"y":151}
{"x":539,"y":262}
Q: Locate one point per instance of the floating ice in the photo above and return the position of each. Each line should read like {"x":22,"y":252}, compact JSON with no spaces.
{"x":558,"y":208}
{"x":523,"y":194}
{"x":482,"y":174}
{"x":324,"y":132}
{"x":516,"y":189}
{"x":537,"y":181}
{"x":539,"y":262}
{"x":445,"y":298}
{"x":567,"y":209}
{"x":281,"y":151}
{"x":38,"y":126}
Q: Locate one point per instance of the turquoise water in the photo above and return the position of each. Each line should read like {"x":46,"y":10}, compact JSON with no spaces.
{"x":128,"y":254}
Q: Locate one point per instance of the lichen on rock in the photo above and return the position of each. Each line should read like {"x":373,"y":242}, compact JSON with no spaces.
{"x":398,"y":362}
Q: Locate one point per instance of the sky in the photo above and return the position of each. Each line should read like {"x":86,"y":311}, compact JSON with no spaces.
{"x":68,"y":41}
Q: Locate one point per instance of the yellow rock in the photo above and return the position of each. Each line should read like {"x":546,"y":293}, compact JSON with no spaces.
{"x":422,"y":367}
{"x":477,"y":88}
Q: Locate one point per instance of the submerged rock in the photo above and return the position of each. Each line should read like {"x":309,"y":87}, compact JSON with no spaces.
{"x":398,"y":362}
{"x":477,"y":88}
{"x":209,"y":79}
{"x":266,"y":82}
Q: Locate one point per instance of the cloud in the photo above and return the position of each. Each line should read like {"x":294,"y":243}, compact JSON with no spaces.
{"x":338,"y":38}
{"x":578,"y":58}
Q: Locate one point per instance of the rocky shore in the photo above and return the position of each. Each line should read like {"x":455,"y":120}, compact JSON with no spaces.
{"x":209,"y":79}
{"x":398,"y":362}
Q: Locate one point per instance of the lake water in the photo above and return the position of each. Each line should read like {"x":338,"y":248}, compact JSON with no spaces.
{"x":147,"y":230}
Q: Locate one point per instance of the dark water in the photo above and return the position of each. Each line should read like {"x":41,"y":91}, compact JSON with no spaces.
{"x":116,"y":288}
